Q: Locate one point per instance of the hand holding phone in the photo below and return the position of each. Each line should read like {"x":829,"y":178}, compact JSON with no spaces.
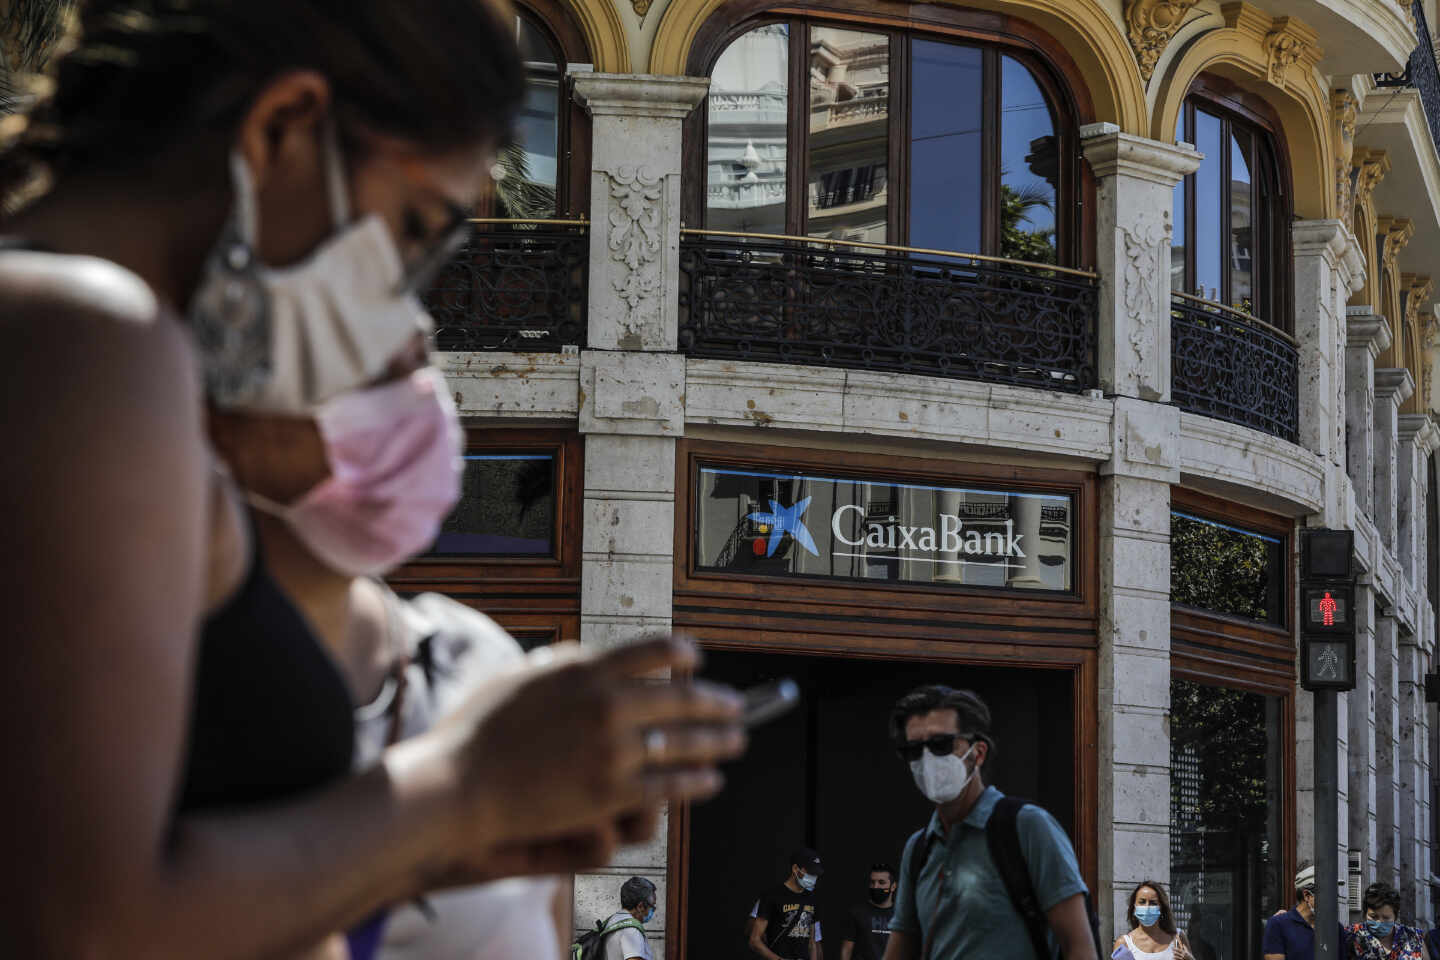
{"x":764,"y":702}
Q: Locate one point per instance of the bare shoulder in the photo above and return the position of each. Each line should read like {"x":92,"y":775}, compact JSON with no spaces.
{"x":83,"y":286}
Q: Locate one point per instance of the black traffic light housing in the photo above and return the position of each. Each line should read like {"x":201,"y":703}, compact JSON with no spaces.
{"x":1327,"y":610}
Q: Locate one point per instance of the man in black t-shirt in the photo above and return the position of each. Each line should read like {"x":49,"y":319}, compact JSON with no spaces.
{"x":783,"y":925}
{"x":867,"y":925}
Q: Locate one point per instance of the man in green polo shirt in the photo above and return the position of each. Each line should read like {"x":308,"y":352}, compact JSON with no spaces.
{"x":959,"y":908}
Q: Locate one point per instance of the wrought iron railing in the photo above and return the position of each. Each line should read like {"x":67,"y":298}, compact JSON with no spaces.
{"x":515,"y":285}
{"x":781,"y":299}
{"x":1229,"y":365}
{"x":1421,"y":72}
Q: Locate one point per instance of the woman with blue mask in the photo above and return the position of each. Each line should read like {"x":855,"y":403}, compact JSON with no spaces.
{"x":1380,"y":936}
{"x":1153,"y":935}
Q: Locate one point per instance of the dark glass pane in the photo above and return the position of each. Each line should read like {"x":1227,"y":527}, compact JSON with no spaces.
{"x":748,"y":109}
{"x":506,"y":508}
{"x":526,"y":186}
{"x":846,"y":178}
{"x":1209,"y":217}
{"x":788,"y":525}
{"x":1226,"y":784}
{"x":946,"y":163}
{"x":1222,"y":568}
{"x":1242,"y":235}
{"x":1029,"y":167}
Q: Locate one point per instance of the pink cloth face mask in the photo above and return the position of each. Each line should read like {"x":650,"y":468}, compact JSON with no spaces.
{"x":395,"y":468}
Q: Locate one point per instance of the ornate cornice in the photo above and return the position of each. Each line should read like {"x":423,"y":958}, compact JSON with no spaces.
{"x":1344,"y":109}
{"x":1394,"y":235}
{"x":1286,"y":45}
{"x":1151,"y":24}
{"x":1370,"y":168}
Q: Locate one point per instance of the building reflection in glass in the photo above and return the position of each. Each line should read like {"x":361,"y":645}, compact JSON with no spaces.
{"x":748,"y":105}
{"x":849,"y":140}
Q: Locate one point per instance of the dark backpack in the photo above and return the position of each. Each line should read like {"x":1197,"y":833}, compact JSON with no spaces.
{"x":591,"y":945}
{"x":1002,"y":835}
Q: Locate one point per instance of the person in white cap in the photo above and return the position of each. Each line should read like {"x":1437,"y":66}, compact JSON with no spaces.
{"x":1290,"y":935}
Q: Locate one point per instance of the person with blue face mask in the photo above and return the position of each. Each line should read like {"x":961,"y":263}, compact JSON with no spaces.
{"x":783,"y":923}
{"x":1379,"y":936}
{"x":1153,"y":935}
{"x":625,"y":930}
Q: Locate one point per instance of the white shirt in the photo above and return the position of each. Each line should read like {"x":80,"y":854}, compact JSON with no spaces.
{"x":626,"y":943}
{"x":502,"y":920}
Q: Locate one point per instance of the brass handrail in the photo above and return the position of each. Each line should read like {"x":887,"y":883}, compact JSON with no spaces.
{"x":892,"y":247}
{"x":531,"y":222}
{"x":1241,"y":314}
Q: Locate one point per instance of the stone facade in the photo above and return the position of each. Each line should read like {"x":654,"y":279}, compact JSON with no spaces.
{"x":1359,"y":463}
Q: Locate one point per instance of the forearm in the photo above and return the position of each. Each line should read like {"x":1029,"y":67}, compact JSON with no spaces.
{"x":757,"y":947}
{"x":279,"y":879}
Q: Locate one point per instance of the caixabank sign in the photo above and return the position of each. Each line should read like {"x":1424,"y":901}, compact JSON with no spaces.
{"x":802,"y":525}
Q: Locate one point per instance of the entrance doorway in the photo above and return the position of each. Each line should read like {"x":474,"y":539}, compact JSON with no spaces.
{"x":827,"y":777}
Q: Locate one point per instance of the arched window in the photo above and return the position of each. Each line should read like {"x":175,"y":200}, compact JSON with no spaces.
{"x":1231,"y":241}
{"x":827,"y":129}
{"x":540,"y":173}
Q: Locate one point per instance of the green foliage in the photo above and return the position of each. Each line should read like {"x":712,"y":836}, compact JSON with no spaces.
{"x":516,"y":194}
{"x":29,"y":32}
{"x":1222,"y":570}
{"x":1017,"y":243}
{"x":1226,"y":730}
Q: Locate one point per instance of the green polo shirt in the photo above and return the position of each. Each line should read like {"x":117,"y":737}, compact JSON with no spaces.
{"x":961,"y":893}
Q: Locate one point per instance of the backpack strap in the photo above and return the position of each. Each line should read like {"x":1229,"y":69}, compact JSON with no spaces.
{"x":923,"y":840}
{"x":1002,"y":835}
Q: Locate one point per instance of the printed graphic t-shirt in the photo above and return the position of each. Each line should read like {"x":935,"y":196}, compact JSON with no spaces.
{"x":868,"y":926}
{"x":779,"y":907}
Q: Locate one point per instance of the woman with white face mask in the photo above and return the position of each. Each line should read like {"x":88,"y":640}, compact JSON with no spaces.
{"x":241,"y":198}
{"x":1153,"y":935}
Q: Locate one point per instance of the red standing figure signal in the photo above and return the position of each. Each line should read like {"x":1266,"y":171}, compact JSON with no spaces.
{"x":1327,"y":610}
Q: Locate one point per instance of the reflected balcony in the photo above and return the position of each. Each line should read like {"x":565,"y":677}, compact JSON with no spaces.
{"x":516,"y":285}
{"x":1229,"y":365}
{"x":870,"y":306}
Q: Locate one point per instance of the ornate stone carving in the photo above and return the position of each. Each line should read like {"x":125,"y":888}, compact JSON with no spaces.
{"x":1283,"y":48}
{"x":1344,"y":108}
{"x":1152,"y":23}
{"x":1146,"y":243}
{"x":635,"y":234}
{"x":1394,"y":236}
{"x":1370,"y":168}
{"x":641,"y":7}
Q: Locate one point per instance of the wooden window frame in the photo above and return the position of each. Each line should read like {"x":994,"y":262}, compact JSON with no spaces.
{"x":1240,"y":654}
{"x":1052,"y":67}
{"x":572,"y":136}
{"x":1235,"y":106}
{"x":721,"y":601}
{"x":521,"y":591}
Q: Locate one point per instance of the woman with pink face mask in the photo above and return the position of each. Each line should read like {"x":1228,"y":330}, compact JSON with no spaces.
{"x":237,"y":201}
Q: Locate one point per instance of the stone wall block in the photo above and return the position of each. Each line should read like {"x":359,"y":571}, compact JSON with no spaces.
{"x":631,"y":587}
{"x":632,"y":393}
{"x":628,"y":527}
{"x":633,"y":465}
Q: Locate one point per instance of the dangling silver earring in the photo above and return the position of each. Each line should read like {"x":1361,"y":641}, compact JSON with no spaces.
{"x":229,"y":314}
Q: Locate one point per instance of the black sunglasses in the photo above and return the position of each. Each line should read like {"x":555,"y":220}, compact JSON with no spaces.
{"x":942,"y":744}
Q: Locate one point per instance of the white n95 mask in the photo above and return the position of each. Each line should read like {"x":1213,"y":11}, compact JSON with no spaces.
{"x":942,"y":779}
{"x":284,"y":340}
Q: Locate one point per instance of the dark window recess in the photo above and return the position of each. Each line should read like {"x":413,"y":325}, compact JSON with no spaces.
{"x":1227,"y":570}
{"x":506,"y":508}
{"x":1226,"y":785}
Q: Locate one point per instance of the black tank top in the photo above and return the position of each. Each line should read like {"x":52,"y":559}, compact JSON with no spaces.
{"x":271,"y":716}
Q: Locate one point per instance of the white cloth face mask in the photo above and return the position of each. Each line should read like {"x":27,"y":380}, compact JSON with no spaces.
{"x":942,"y":779}
{"x":285,"y":340}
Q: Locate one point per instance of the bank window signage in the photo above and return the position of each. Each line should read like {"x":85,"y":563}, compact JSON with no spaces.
{"x":791,"y":525}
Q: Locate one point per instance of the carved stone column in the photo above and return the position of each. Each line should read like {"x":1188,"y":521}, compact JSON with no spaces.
{"x":1137,"y":180}
{"x":1367,"y":336}
{"x":635,"y":206}
{"x":1392,"y":386}
{"x":1416,"y":438}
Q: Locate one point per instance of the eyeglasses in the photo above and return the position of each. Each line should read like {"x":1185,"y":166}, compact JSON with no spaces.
{"x":450,"y":238}
{"x":942,"y":744}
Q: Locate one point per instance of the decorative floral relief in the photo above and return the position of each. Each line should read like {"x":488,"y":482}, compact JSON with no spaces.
{"x":635,"y":233}
{"x":1345,"y":109}
{"x":1147,"y":242}
{"x":1283,"y":49}
{"x":1152,"y":23}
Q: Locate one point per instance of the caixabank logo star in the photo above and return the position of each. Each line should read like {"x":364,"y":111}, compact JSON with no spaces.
{"x":780,"y":521}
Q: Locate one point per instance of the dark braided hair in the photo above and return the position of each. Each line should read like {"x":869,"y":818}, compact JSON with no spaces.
{"x":141,"y":78}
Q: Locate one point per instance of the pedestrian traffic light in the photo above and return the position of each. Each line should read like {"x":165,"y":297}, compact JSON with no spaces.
{"x":1327,"y":610}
